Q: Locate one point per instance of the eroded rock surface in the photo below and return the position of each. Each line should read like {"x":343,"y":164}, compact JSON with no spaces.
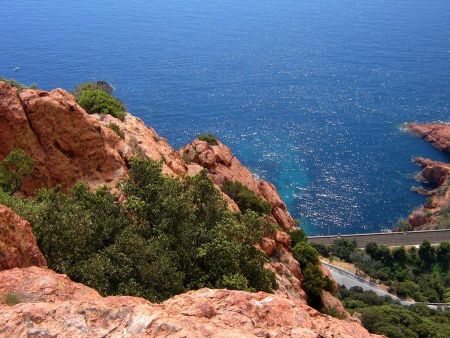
{"x":18,"y":246}
{"x":52,"y":305}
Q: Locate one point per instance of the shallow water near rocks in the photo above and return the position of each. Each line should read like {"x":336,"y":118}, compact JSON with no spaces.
{"x":309,"y":94}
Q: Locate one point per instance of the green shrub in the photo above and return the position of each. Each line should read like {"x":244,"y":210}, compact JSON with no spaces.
{"x":11,"y":299}
{"x":169,"y":236}
{"x":297,"y":235}
{"x":314,"y":280}
{"x":99,"y":85}
{"x":245,"y":198}
{"x":14,"y":83}
{"x":13,"y":169}
{"x":97,"y":98}
{"x":210,"y":138}
{"x":115,"y":128}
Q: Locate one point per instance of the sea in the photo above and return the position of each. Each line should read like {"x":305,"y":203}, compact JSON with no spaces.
{"x":310,"y":95}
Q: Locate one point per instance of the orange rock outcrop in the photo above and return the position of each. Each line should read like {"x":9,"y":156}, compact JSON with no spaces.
{"x":52,"y":305}
{"x":69,"y":145}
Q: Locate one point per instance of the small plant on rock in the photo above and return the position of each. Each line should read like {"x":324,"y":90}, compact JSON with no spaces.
{"x":115,"y":128}
{"x":11,"y":299}
{"x":96,"y":98}
{"x":210,"y":138}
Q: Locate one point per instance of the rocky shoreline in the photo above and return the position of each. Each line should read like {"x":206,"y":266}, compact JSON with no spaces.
{"x":431,"y":215}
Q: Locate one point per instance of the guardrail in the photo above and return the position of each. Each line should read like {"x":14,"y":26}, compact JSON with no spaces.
{"x":389,"y":238}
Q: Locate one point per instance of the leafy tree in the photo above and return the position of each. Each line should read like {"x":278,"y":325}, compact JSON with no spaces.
{"x":13,"y":169}
{"x":426,"y":253}
{"x":305,"y":254}
{"x":170,"y":235}
{"x":313,"y":279}
{"x":343,"y":248}
{"x":443,"y":255}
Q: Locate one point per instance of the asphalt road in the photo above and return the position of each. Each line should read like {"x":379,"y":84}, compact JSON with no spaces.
{"x":349,"y":279}
{"x":389,"y":238}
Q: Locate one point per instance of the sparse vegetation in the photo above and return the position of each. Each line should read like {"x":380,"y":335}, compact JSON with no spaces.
{"x":210,"y":138}
{"x":11,"y":299}
{"x":169,"y":236}
{"x":16,"y":84}
{"x":115,"y":128}
{"x":97,"y":98}
{"x":245,"y":198}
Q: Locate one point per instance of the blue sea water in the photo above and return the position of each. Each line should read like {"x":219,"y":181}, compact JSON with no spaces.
{"x":309,"y":94}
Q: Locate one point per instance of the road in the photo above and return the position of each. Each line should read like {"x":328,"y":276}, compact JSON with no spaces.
{"x":349,"y":279}
{"x":389,"y":238}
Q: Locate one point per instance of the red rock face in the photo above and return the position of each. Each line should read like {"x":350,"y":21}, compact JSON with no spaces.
{"x":69,"y":145}
{"x":52,"y":305}
{"x":438,"y":134}
{"x":18,"y":246}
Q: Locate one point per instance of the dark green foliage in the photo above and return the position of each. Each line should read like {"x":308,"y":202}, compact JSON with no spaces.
{"x":99,"y":85}
{"x":97,"y":98}
{"x":116,"y":129}
{"x":171,"y":235}
{"x":13,"y":169}
{"x":313,"y":279}
{"x":210,"y":138}
{"x":343,"y":249}
{"x":322,"y":249}
{"x":13,"y":83}
{"x":298,"y":235}
{"x":245,"y":198}
{"x":382,"y":315}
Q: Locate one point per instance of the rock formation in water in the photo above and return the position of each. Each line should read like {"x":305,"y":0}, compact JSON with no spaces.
{"x":432,"y":214}
{"x":69,"y":145}
{"x":51,"y":305}
{"x":438,"y":134}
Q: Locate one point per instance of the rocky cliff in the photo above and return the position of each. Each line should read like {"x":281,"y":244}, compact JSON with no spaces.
{"x":50,"y":305}
{"x":69,"y":145}
{"x":431,"y":215}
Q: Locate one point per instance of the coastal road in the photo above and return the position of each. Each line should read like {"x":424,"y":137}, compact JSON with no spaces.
{"x":349,"y":279}
{"x":389,"y":238}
